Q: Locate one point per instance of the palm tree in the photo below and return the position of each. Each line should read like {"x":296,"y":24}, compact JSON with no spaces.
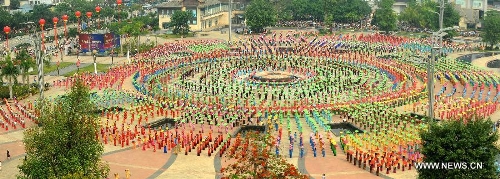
{"x":10,"y":71}
{"x":26,"y":62}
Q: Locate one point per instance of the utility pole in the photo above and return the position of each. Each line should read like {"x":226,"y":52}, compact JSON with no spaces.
{"x":430,"y":81}
{"x":230,"y":18}
{"x":39,"y":60}
{"x":441,"y":16}
{"x":436,"y":48}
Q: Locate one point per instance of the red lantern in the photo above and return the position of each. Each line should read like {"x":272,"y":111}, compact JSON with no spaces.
{"x":55,"y":20}
{"x":6,"y":29}
{"x":119,"y":2}
{"x":89,"y":15}
{"x":42,"y":22}
{"x":97,"y":9}
{"x":78,"y":14}
{"x":65,"y":18}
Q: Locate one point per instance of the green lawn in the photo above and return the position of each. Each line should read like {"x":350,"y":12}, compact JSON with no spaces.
{"x":167,"y":36}
{"x":90,"y":68}
{"x":412,"y":34}
{"x":51,"y":68}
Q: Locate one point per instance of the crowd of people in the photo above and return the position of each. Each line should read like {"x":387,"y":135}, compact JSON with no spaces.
{"x":209,"y":87}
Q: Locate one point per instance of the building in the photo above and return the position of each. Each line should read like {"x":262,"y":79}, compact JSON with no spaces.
{"x":399,"y":6}
{"x":207,"y":14}
{"x":471,"y":11}
{"x":37,"y":2}
{"x":5,"y":3}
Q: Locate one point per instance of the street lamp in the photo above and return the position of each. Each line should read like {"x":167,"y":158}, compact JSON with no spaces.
{"x":97,"y":10}
{"x":78,"y":14}
{"x":6,"y":29}
{"x":430,"y":67}
{"x":78,"y":65}
{"x":128,"y":50}
{"x":119,"y":3}
{"x":230,"y":18}
{"x":94,"y":52}
{"x":156,"y":38}
{"x":57,"y":68}
{"x":65,"y":20}
{"x":40,"y":59}
{"x":42,"y":23}
{"x":55,"y":20}
{"x":89,"y":15}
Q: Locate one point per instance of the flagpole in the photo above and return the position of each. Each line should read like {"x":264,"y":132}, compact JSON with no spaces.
{"x":230,"y":18}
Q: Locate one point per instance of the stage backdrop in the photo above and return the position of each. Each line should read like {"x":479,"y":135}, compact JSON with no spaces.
{"x":101,"y":42}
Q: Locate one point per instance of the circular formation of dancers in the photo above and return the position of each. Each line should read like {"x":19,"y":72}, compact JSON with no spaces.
{"x":297,"y":83}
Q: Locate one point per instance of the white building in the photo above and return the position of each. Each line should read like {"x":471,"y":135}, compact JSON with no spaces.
{"x":471,"y":11}
{"x":5,"y":3}
{"x":36,"y":2}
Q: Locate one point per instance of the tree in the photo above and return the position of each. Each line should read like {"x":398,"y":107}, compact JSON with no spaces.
{"x":72,"y":32}
{"x":10,"y":71}
{"x":18,"y":17}
{"x":179,"y":21}
{"x":384,"y":17}
{"x":260,"y":15}
{"x":468,"y":141}
{"x":63,"y":8}
{"x":491,"y":29}
{"x":43,"y":11}
{"x":283,"y":12}
{"x":133,"y":29}
{"x":345,"y":11}
{"x":14,"y":4}
{"x":65,"y":143}
{"x":25,"y":63}
{"x":254,"y":159}
{"x":5,"y":18}
{"x":423,"y":15}
{"x":306,"y":9}
{"x":411,"y":15}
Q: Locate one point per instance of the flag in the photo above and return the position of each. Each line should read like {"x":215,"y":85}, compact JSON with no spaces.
{"x":338,"y":45}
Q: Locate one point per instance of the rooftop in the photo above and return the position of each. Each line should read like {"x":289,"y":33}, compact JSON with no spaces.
{"x":172,"y":3}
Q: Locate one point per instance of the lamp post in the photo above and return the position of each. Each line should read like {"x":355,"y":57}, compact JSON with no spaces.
{"x":40,"y":59}
{"x":6,"y":29}
{"x":57,"y":68}
{"x":430,"y":67}
{"x":119,"y":3}
{"x":42,"y":23}
{"x":94,"y":52}
{"x":97,"y":10}
{"x":78,"y":65}
{"x":55,"y":20}
{"x":112,"y":53}
{"x":441,"y":14}
{"x":128,"y":40}
{"x":65,"y":20}
{"x":78,"y":14}
{"x":89,"y":15}
{"x":156,"y":38}
{"x":230,"y":18}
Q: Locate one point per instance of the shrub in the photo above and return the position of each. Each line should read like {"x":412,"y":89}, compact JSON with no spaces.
{"x":20,"y":91}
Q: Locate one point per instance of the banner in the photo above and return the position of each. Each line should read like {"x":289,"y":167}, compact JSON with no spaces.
{"x":108,"y":40}
{"x":117,"y":40}
{"x":100,"y":42}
